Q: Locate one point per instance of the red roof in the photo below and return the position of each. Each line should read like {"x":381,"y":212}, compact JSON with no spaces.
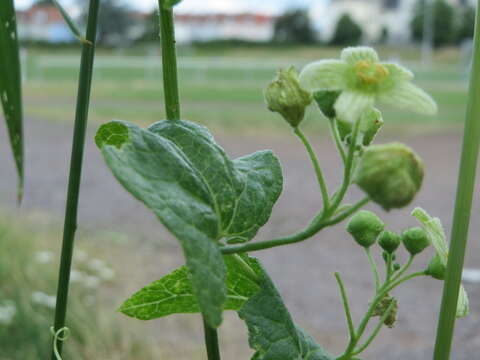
{"x":241,"y":18}
{"x":48,"y":12}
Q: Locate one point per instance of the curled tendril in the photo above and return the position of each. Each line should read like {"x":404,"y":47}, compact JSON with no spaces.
{"x":59,"y":335}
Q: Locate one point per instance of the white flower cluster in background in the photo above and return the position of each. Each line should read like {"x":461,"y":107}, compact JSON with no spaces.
{"x":7,"y":312}
{"x":42,"y":299}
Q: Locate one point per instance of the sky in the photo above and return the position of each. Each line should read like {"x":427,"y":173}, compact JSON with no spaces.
{"x":229,"y":6}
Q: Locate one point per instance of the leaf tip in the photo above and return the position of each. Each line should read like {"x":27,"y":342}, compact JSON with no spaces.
{"x":114,"y":133}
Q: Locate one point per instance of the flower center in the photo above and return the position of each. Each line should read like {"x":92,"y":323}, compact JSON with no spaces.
{"x":370,"y":73}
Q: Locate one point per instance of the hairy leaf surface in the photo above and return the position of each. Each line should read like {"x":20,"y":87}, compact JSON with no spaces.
{"x":10,"y":83}
{"x":174,"y":294}
{"x":272,"y":332}
{"x":198,"y":193}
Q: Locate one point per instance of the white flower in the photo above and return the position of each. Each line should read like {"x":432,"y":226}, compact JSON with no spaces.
{"x":7,"y":312}
{"x":364,"y":80}
{"x":40,"y":298}
{"x":437,"y":237}
{"x":43,"y":257}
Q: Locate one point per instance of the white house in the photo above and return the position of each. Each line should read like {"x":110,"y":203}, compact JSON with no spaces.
{"x":206,"y":27}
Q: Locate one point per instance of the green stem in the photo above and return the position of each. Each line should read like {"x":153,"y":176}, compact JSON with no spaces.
{"x":381,"y":293}
{"x":315,"y":226}
{"x":373,"y":266}
{"x":81,"y":117}
{"x":463,"y":207}
{"x":336,"y":137}
{"x":347,"y":176}
{"x":404,"y":268}
{"x":172,"y":108}
{"x":346,"y":306}
{"x":316,"y":166}
{"x":376,"y":331}
{"x":211,"y":342}
{"x":169,"y":63}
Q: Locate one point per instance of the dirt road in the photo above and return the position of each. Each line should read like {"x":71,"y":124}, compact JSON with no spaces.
{"x":304,"y":272}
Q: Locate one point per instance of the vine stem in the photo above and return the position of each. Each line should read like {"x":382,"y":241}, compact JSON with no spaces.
{"x":81,"y":117}
{"x":463,"y":208}
{"x":316,"y":166}
{"x":172,"y":108}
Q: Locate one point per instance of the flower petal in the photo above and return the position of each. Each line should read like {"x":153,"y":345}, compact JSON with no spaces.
{"x":435,"y":233}
{"x":407,"y":95}
{"x":350,"y":105}
{"x":398,"y":72}
{"x":324,"y":74}
{"x":353,"y":55}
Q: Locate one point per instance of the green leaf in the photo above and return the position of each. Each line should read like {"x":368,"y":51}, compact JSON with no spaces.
{"x":246,"y":189}
{"x":197,"y":192}
{"x":272,"y":332}
{"x":174,"y":294}
{"x":10,"y":84}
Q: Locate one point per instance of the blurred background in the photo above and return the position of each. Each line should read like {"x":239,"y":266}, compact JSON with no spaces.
{"x":228,"y":51}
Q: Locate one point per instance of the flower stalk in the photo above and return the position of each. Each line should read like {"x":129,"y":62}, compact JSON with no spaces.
{"x":463,"y":207}
{"x":70,"y":225}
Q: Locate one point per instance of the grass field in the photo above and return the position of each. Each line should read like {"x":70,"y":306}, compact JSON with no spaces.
{"x":219,"y":87}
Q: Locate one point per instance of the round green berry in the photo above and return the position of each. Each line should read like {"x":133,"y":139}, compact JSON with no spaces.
{"x":389,"y":241}
{"x":365,"y":227}
{"x":436,"y":268}
{"x":415,"y":240}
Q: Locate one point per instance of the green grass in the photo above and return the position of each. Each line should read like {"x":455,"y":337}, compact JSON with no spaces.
{"x":28,"y":267}
{"x":225,"y":99}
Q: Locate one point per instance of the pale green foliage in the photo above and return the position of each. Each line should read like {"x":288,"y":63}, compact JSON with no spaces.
{"x":364,"y":81}
{"x":272,"y":332}
{"x":173,"y":293}
{"x":197,"y":192}
{"x":437,"y":237}
{"x":10,"y":84}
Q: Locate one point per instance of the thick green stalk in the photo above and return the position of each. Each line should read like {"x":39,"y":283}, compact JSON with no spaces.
{"x":211,"y":342}
{"x":169,"y":63}
{"x":463,"y":207}
{"x":81,"y":116}
{"x":172,"y":108}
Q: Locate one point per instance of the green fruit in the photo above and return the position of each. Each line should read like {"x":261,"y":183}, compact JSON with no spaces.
{"x":415,"y":240}
{"x":390,"y":174}
{"x":285,"y":96}
{"x":365,"y":227}
{"x":389,"y":241}
{"x":436,"y":268}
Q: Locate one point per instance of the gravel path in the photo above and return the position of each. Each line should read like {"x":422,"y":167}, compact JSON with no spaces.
{"x":304,"y":272}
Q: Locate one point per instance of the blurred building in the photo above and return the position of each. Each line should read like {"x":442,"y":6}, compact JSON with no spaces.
{"x":374,"y":16}
{"x":43,"y":22}
{"x":210,"y":27}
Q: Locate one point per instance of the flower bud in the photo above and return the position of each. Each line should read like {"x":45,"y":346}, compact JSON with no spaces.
{"x":326,"y":100}
{"x":285,"y":96}
{"x":365,"y":227}
{"x":390,"y":174}
{"x":371,"y":123}
{"x":389,"y":241}
{"x":436,"y":268}
{"x":384,"y":304}
{"x":415,"y":240}
{"x":396,"y":267}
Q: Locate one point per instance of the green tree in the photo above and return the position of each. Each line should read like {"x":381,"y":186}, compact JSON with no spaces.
{"x":347,"y":32}
{"x":294,"y":27}
{"x":443,"y":24}
{"x":114,"y":21}
{"x":466,"y":24}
